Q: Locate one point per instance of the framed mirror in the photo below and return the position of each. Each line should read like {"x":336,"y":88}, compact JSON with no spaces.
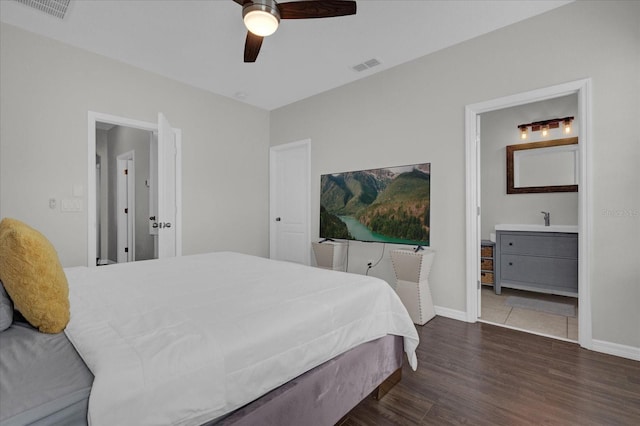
{"x":540,"y":167}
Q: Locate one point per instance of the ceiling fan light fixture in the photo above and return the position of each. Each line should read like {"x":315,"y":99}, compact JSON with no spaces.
{"x":261,"y":19}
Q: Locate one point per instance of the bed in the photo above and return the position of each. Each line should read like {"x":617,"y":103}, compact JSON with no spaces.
{"x":223,"y":338}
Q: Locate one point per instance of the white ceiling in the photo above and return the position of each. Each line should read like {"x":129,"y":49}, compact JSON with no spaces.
{"x":201,"y":42}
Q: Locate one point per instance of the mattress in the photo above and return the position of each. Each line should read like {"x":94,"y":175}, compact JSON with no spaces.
{"x":43,"y":380}
{"x":196,"y":337}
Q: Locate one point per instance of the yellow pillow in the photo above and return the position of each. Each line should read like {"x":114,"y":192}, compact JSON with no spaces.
{"x":33,"y":277}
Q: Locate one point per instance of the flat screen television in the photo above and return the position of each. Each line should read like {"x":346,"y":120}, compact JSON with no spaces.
{"x":388,"y":205}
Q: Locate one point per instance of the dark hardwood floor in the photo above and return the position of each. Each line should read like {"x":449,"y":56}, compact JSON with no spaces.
{"x":481,"y":374}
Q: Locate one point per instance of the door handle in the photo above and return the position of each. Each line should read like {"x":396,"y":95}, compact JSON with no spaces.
{"x":162,"y":225}
{"x":278,"y":219}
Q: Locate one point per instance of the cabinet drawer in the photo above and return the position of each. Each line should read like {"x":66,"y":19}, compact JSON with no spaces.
{"x":556,"y":272}
{"x":486,"y":278}
{"x":486,"y":251}
{"x":552,"y":245}
{"x":486,"y":264}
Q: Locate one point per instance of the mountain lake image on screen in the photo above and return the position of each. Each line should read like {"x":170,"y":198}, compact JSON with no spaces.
{"x":387,"y":205}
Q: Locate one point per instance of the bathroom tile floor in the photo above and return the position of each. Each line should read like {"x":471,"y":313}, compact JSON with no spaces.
{"x":495,"y":310}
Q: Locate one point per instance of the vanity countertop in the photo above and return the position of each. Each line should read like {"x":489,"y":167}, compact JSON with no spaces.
{"x":537,"y":228}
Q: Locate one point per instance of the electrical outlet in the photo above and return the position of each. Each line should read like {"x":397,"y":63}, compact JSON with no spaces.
{"x":370,"y":263}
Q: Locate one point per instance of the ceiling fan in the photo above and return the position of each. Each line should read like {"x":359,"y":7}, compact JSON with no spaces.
{"x":261,"y":17}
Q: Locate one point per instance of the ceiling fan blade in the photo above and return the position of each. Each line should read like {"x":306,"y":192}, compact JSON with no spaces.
{"x":242,"y":2}
{"x":252,"y":47}
{"x":316,"y":9}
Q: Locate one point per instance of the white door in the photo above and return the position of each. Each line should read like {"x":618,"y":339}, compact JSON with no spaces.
{"x":153,"y":190}
{"x":166,"y":189}
{"x":290,"y":185}
{"x":125,"y":208}
{"x":99,"y":254}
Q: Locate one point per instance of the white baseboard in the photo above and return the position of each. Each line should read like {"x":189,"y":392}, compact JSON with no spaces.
{"x":616,"y":349}
{"x":451,"y":313}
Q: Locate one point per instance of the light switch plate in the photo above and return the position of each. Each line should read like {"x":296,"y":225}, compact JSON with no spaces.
{"x":71,"y":205}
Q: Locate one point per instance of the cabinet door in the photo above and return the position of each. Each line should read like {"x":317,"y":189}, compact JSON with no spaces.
{"x":540,"y":271}
{"x":552,"y":245}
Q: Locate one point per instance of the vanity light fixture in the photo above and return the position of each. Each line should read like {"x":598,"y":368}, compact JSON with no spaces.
{"x":523,"y":131}
{"x":545,"y":125}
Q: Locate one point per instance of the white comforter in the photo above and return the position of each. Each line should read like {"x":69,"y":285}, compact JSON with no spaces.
{"x":185,"y":340}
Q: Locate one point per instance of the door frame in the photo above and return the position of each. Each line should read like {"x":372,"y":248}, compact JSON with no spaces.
{"x":585,"y":194}
{"x":304,"y":144}
{"x":98,"y":117}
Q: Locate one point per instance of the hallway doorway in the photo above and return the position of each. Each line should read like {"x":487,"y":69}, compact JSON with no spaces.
{"x":134,"y":201}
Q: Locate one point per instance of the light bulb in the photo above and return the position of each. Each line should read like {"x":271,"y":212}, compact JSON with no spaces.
{"x":545,"y":131}
{"x":523,"y":132}
{"x":567,"y":127}
{"x":261,"y":23}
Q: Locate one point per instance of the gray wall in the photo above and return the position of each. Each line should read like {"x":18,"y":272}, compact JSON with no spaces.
{"x":47,"y":90}
{"x":415,"y":113}
{"x":499,"y":129}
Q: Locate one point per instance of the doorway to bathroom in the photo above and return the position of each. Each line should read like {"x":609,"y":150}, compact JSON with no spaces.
{"x":522,"y":305}
{"x":490,"y":127}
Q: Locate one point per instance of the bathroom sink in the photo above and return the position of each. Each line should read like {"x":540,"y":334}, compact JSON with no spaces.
{"x":537,"y":228}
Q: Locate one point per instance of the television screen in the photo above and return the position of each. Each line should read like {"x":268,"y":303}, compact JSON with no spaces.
{"x":389,"y":205}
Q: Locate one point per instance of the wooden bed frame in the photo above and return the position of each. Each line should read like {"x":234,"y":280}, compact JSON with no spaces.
{"x":325,"y":394}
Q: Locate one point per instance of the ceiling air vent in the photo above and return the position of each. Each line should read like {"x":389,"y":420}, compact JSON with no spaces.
{"x":56,"y":8}
{"x":366,"y":65}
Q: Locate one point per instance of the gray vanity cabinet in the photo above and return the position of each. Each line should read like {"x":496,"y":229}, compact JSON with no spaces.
{"x":545,"y":262}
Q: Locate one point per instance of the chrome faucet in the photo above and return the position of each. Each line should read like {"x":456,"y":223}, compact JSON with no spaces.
{"x":547,"y":218}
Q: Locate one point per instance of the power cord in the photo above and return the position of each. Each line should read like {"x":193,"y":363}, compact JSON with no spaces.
{"x":370,"y":265}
